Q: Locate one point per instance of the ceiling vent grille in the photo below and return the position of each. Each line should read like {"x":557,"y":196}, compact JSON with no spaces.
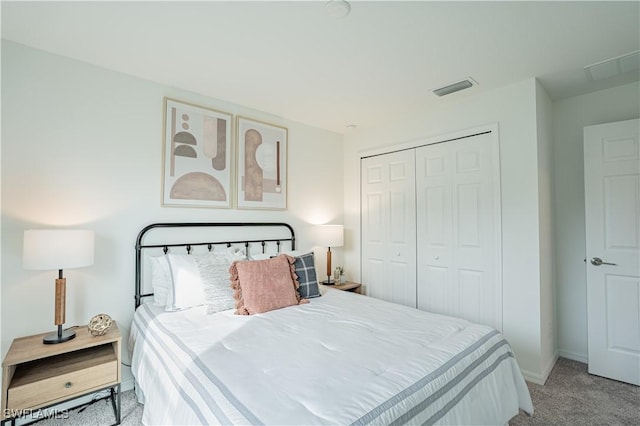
{"x":455,"y":87}
{"x":613,"y":67}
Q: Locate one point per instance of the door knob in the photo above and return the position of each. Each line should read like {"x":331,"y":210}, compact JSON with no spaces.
{"x":596,"y":261}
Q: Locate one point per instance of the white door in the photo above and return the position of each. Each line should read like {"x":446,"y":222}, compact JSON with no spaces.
{"x":458,"y":211}
{"x":612,"y":204}
{"x":388,"y":227}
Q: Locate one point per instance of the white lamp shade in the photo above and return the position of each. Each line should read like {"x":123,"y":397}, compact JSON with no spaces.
{"x":46,"y":249}
{"x":331,"y":235}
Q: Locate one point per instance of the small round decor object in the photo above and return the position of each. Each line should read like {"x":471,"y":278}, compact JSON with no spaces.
{"x":99,"y":324}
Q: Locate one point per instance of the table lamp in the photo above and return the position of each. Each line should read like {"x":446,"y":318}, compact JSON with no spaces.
{"x":46,"y":249}
{"x":330,"y":236}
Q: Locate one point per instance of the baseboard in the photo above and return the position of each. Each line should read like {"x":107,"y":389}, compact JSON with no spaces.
{"x":541,"y":378}
{"x":127,"y":385}
{"x":574,"y":356}
{"x":536,"y":378}
{"x":547,"y":369}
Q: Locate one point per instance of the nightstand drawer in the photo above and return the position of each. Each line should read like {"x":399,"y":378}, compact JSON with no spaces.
{"x":39,"y":382}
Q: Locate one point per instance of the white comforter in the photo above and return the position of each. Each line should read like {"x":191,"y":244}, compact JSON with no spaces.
{"x":341,"y":359}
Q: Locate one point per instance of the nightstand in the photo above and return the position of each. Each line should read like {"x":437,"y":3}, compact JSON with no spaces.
{"x":351,"y":286}
{"x":37,"y":376}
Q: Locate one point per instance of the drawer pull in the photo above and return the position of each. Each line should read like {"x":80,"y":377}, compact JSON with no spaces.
{"x":67,"y":385}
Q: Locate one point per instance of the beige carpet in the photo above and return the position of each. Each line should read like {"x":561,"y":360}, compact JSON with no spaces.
{"x":570,"y":397}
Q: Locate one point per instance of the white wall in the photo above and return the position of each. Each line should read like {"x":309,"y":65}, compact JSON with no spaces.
{"x":570,"y":116}
{"x":81,"y":147}
{"x":514,"y":109}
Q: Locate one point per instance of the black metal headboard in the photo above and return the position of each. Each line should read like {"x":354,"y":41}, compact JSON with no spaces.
{"x":209,"y":244}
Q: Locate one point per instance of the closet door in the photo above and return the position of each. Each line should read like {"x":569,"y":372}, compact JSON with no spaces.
{"x":389,"y":227}
{"x":458,"y":226}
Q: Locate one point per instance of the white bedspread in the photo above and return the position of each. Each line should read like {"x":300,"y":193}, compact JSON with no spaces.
{"x":341,"y":359}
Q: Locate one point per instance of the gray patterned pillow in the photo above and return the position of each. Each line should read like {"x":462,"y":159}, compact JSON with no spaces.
{"x":306,"y":271}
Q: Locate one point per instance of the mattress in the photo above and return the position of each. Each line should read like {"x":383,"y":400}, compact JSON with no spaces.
{"x":342,"y":359}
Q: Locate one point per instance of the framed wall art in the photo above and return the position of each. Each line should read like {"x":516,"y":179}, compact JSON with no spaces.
{"x":262,"y":165}
{"x":197,"y":156}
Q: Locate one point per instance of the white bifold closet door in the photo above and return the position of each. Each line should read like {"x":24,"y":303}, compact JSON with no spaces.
{"x":458,"y":227}
{"x":389,"y":227}
{"x":431,"y":228}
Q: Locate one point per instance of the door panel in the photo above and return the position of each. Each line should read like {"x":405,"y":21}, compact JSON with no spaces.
{"x":433,"y":295}
{"x":435,"y":199}
{"x":471,"y":295}
{"x":468,"y":215}
{"x":457,"y":192}
{"x":620,"y":212}
{"x":373,"y":231}
{"x":612,"y":217}
{"x":388,"y":227}
{"x":622,"y":298}
{"x":435,"y":229}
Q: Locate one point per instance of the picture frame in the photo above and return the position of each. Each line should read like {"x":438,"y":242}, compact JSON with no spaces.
{"x":197,"y":156}
{"x":261,"y":181}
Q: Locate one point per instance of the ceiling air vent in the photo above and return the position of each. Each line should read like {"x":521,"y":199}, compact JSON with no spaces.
{"x":613,"y":67}
{"x":455,"y":87}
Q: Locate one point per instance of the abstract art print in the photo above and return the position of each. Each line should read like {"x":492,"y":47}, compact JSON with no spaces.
{"x":262,"y":165}
{"x":197,"y":156}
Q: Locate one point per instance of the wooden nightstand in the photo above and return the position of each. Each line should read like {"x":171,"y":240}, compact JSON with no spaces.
{"x":351,"y":286}
{"x":37,"y":376}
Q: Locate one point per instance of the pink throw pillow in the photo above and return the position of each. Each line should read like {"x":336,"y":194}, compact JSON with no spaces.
{"x":264,"y":285}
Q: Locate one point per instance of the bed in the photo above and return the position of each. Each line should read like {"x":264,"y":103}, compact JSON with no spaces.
{"x":340,"y":359}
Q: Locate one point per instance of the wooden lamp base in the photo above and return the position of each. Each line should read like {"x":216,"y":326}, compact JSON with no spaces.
{"x":328,"y":281}
{"x":61,"y":335}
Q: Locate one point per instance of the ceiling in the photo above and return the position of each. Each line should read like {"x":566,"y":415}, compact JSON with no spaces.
{"x":294,"y":60}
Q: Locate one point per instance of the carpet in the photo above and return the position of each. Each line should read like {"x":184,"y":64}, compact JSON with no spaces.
{"x":572,"y":396}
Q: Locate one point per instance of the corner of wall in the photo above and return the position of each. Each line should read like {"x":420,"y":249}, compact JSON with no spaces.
{"x":541,"y":378}
{"x":546,"y":227}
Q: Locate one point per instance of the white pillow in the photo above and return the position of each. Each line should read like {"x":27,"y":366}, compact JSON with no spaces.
{"x":234,"y":253}
{"x":263,"y":256}
{"x":200,"y":279}
{"x":187,"y":286}
{"x":260,"y":256}
{"x":160,"y":279}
